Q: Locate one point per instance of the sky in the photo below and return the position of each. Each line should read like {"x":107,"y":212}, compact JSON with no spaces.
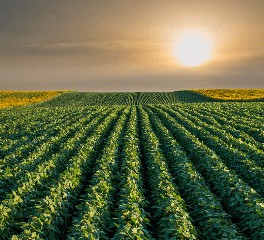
{"x":128,"y":45}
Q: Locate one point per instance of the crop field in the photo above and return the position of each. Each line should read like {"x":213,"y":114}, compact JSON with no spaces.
{"x":132,"y":166}
{"x":233,"y":94}
{"x":20,"y":98}
{"x":131,"y":98}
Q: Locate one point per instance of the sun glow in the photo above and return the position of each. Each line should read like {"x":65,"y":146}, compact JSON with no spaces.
{"x":193,"y":48}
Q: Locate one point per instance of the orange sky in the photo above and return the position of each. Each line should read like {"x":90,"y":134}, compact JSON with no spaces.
{"x":109,"y":45}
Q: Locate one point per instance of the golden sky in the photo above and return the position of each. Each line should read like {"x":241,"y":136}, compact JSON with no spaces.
{"x":114,"y":45}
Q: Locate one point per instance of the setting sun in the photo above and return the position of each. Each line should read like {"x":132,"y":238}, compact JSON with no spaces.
{"x":193,"y":48}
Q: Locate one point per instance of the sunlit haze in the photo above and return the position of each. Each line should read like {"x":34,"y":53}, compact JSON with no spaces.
{"x":106,"y":45}
{"x":193,"y":48}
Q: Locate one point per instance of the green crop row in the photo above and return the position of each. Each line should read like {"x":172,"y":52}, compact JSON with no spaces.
{"x":130,"y":98}
{"x":241,"y":201}
{"x":231,"y":156}
{"x":32,"y":184}
{"x":172,"y":219}
{"x":93,"y":217}
{"x":242,"y":138}
{"x":13,"y":176}
{"x":50,"y":213}
{"x":69,"y":170}
{"x":206,"y":211}
{"x":19,"y":127}
{"x":251,"y":127}
{"x":132,"y":218}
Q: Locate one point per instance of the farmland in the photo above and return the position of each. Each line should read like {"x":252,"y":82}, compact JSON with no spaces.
{"x":132,"y":166}
{"x":233,"y":94}
{"x":20,"y":98}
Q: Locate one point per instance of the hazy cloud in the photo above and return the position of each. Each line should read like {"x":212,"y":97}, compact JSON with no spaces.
{"x":125,"y":45}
